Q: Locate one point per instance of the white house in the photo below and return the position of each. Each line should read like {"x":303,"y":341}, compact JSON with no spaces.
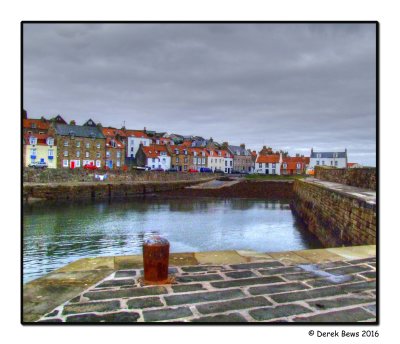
{"x":268,"y":164}
{"x":133,"y":140}
{"x":154,"y":156}
{"x":332,"y":159}
{"x":220,"y":160}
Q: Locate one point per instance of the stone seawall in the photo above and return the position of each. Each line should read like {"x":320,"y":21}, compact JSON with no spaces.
{"x":99,"y":190}
{"x":335,"y":218}
{"x":245,"y":189}
{"x":360,"y":177}
{"x":31,"y":175}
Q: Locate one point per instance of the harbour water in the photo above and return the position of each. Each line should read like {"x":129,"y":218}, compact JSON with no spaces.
{"x":57,"y":234}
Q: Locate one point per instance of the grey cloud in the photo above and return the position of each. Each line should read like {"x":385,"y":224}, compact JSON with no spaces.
{"x":297,"y":86}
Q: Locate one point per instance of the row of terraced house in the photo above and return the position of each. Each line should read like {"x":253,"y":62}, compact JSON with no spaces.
{"x":56,"y":144}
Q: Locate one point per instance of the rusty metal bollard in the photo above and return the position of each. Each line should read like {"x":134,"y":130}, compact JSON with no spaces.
{"x":155,"y":260}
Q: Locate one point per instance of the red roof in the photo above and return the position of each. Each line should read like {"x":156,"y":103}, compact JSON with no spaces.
{"x":41,"y":138}
{"x":291,"y":162}
{"x":38,"y":123}
{"x":136,"y":133}
{"x":118,"y":144}
{"x":266,"y":159}
{"x":109,"y":132}
{"x":199,"y":151}
{"x":154,"y":151}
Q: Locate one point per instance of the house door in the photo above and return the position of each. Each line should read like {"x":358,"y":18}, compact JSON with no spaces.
{"x":72,"y":164}
{"x":267,"y":171}
{"x":110,"y":164}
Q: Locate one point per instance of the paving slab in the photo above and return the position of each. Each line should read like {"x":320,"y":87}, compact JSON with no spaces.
{"x":214,"y":287}
{"x":219,"y":257}
{"x":354,"y":252}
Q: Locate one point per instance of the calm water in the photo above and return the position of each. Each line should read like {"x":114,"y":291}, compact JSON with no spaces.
{"x":59,"y":234}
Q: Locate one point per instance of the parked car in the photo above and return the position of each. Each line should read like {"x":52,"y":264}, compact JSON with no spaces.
{"x":90,"y":167}
{"x":235,"y":172}
{"x":218,"y":171}
{"x":172,"y":169}
{"x":158,"y":170}
{"x":38,"y":164}
{"x":205,"y":170}
{"x":192,"y":170}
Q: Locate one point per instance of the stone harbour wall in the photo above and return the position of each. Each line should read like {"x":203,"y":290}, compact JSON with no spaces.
{"x":271,"y":190}
{"x":360,"y":177}
{"x":99,"y":190}
{"x":336,"y":219}
{"x":32,"y":175}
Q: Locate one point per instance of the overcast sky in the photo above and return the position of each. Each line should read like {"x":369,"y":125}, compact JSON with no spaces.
{"x":288,"y":86}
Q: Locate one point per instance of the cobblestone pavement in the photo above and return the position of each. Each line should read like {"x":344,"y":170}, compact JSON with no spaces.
{"x":268,"y":291}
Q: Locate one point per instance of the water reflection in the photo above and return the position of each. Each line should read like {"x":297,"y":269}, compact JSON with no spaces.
{"x":54,"y":235}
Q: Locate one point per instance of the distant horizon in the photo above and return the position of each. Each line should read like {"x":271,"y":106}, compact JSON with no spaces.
{"x":287,"y":86}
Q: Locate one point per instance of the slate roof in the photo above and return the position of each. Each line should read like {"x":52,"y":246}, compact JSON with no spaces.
{"x":241,"y":150}
{"x":78,"y":131}
{"x":328,"y":155}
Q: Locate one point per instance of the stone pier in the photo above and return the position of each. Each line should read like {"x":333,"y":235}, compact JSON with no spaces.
{"x":319,"y":286}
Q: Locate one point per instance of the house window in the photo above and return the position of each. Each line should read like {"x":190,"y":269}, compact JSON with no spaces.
{"x":87,"y":145}
{"x":98,"y":163}
{"x":260,"y":165}
{"x":186,"y":160}
{"x":177,"y":159}
{"x":77,"y":163}
{"x":118,"y":154}
{"x":86,"y":154}
{"x":50,"y":141}
{"x":65,"y":153}
{"x":78,"y":144}
{"x":33,"y":125}
{"x":284,"y":165}
{"x":185,"y":168}
{"x":336,"y":163}
{"x":50,"y":152}
{"x":298,"y":166}
{"x":65,"y":143}
{"x":108,"y":154}
{"x":331,"y":163}
{"x":33,"y":152}
{"x":319,"y":156}
{"x":273,"y":171}
{"x":226,"y":170}
{"x":32,"y":140}
{"x":317,"y":162}
{"x":65,"y":163}
{"x":98,"y":145}
{"x":323,"y":162}
{"x":78,"y":154}
{"x":98,"y":155}
{"x":118,"y":163}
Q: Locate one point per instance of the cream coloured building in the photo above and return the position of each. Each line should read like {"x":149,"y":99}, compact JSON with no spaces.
{"x":40,"y":148}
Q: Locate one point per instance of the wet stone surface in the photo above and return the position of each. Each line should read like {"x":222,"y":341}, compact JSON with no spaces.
{"x":267,"y":291}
